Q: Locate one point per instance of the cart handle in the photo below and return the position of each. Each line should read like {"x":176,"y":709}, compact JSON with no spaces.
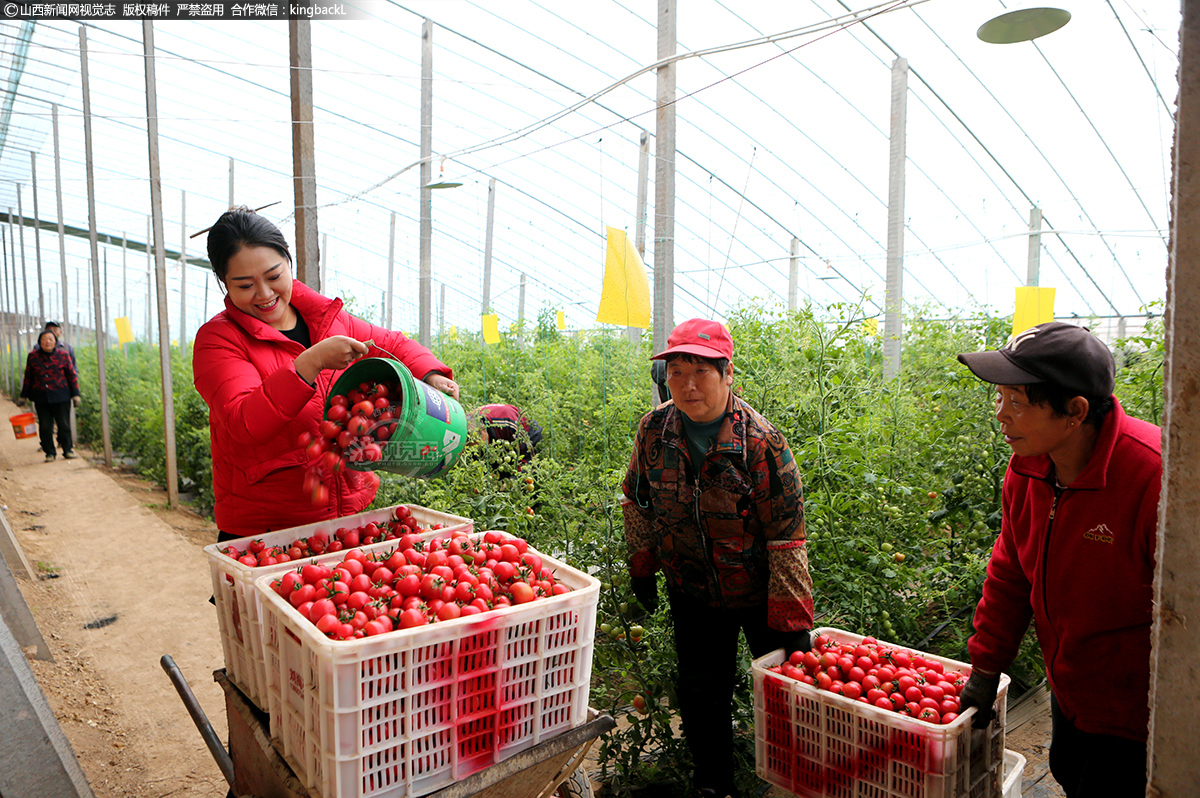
{"x":224,"y":761}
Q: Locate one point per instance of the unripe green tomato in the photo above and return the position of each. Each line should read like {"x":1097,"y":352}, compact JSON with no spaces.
{"x":605,"y":628}
{"x":886,"y":547}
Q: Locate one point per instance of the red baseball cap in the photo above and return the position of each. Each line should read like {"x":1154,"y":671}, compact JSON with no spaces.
{"x":700,"y":337}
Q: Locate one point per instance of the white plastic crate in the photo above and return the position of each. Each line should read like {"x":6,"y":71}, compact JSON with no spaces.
{"x":405,"y":713}
{"x":238,"y":604}
{"x":1014,"y":769}
{"x":818,"y":744}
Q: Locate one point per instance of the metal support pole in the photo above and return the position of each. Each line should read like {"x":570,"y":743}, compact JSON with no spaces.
{"x":521,"y":313}
{"x":9,"y":319}
{"x":893,"y":318}
{"x":37,"y":236}
{"x":794,"y":274}
{"x":639,"y":215}
{"x":24,"y":271}
{"x":124,"y":276}
{"x":425,"y":279}
{"x":664,"y":180}
{"x":487,"y":249}
{"x":387,"y":297}
{"x":1035,"y":245}
{"x":160,"y":263}
{"x":150,"y":293}
{"x":304,"y":154}
{"x":183,"y":273}
{"x":62,"y":237}
{"x":231,"y":183}
{"x":442,"y":315}
{"x":22,"y":318}
{"x":101,"y":367}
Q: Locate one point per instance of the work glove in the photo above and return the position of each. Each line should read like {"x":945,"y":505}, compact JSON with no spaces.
{"x":646,"y":590}
{"x":980,"y":692}
{"x":75,"y":400}
{"x":795,"y":641}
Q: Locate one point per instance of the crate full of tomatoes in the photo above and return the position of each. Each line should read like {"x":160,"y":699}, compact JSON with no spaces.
{"x":234,"y":565}
{"x":856,"y":717}
{"x":393,"y":673}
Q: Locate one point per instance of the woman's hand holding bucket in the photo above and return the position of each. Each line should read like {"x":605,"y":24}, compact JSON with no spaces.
{"x":335,"y":352}
{"x":442,"y":383}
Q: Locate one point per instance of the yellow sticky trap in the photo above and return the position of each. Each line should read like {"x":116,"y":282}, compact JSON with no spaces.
{"x":491,"y":328}
{"x":562,"y":320}
{"x":1035,"y":305}
{"x":625,"y":298}
{"x":871,"y":327}
{"x":124,"y":330}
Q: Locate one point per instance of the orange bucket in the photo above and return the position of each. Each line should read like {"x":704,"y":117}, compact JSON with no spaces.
{"x":24,"y":425}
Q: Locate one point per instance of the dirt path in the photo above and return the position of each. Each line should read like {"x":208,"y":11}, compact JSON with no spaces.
{"x":124,"y":581}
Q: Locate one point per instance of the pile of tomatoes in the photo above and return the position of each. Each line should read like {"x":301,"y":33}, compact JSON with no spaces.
{"x":418,"y":583}
{"x":888,"y":677}
{"x":356,"y":427}
{"x":259,"y":553}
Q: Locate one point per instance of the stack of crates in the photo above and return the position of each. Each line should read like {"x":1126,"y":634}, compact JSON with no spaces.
{"x":402,"y":714}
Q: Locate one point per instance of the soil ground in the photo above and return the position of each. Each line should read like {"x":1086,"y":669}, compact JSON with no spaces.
{"x":124,"y":580}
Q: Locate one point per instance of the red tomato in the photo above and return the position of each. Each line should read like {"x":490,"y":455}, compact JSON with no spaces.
{"x":930,"y":714}
{"x":521,"y":592}
{"x":884,"y":703}
{"x":824,"y":680}
{"x":412,"y":617}
{"x":363,"y":408}
{"x":327,"y":624}
{"x":852,"y":690}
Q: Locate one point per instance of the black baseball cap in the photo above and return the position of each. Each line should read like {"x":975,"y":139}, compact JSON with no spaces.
{"x":1054,"y":352}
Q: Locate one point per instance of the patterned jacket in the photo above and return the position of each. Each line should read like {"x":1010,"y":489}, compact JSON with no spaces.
{"x":50,"y":376}
{"x":734,"y":536}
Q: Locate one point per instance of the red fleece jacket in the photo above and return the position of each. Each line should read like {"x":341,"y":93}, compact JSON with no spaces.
{"x":1080,"y":561}
{"x":258,"y":406}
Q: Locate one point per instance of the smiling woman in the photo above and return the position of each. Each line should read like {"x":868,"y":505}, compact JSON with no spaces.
{"x":264,"y":366}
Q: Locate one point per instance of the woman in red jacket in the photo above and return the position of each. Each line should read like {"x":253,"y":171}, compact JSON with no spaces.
{"x":264,"y":365}
{"x":1075,"y":554}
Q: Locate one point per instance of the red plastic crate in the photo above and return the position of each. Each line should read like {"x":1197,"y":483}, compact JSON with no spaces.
{"x":818,"y":744}
{"x":238,"y":614}
{"x":402,"y":714}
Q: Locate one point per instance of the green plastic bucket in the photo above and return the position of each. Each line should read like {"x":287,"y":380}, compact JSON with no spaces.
{"x":431,"y":427}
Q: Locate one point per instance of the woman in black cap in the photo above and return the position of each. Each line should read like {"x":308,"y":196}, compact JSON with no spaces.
{"x":1075,"y":553}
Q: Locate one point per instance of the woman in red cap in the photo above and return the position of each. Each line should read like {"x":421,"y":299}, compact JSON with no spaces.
{"x":713,"y":500}
{"x":1075,"y":554}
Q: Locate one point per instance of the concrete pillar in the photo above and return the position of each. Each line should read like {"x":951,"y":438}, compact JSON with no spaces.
{"x":1174,"y":755}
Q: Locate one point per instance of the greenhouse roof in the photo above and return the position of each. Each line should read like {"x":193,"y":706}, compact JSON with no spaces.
{"x":780,"y":139}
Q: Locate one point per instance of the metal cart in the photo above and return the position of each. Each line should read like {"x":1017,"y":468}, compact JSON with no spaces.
{"x":254,"y":767}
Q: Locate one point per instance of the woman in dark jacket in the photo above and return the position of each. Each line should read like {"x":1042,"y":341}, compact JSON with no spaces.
{"x":51,"y":383}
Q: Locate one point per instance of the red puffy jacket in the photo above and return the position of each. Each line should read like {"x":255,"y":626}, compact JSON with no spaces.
{"x":258,"y":406}
{"x":1079,"y":560}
